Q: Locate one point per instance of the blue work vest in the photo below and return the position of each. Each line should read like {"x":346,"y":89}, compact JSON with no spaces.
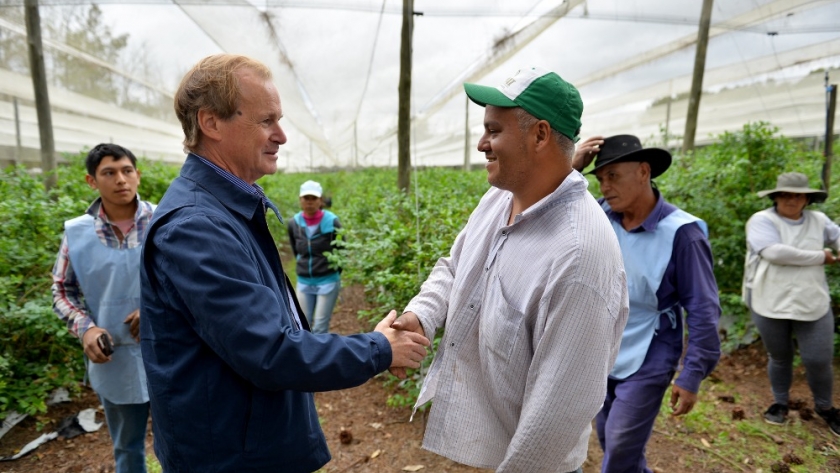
{"x":646,"y":256}
{"x":110,"y":282}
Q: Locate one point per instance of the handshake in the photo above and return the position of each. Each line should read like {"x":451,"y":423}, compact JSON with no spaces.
{"x":408,"y":341}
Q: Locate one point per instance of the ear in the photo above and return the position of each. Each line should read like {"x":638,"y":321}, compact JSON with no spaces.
{"x":542,"y":134}
{"x":644,"y":169}
{"x":210,"y":124}
{"x":91,"y":181}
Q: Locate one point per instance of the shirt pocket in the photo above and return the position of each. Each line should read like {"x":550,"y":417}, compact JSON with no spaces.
{"x":501,"y":323}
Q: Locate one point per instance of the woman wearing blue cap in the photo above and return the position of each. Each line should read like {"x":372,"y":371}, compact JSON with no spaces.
{"x":312,"y":233}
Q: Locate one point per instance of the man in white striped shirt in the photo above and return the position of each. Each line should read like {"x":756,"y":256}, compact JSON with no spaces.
{"x":533,"y":294}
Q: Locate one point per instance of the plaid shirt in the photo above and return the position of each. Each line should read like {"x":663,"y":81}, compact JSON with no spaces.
{"x":68,"y":301}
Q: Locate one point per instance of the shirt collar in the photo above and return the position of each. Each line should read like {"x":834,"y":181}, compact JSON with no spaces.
{"x":96,"y":210}
{"x":652,"y":220}
{"x":239,"y":183}
{"x":572,"y":186}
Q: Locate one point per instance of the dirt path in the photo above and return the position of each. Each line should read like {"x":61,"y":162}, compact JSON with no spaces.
{"x":380,"y":439}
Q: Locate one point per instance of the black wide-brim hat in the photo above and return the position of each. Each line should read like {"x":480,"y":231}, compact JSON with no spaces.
{"x":628,"y":148}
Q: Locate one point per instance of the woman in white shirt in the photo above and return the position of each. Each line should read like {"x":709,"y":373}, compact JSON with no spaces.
{"x":786,"y":290}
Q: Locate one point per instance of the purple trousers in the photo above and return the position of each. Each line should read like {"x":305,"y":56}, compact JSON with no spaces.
{"x":631,"y":405}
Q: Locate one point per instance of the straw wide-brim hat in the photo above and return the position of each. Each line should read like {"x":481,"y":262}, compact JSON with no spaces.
{"x":795,"y":183}
{"x":623,"y":148}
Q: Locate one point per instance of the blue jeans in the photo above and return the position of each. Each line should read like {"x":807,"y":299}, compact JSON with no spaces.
{"x":127,"y":426}
{"x":319,"y":308}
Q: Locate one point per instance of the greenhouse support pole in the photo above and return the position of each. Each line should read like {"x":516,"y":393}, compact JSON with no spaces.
{"x":18,"y":148}
{"x":831,"y":106}
{"x":467,"y":134}
{"x":697,"y":78}
{"x":667,"y":123}
{"x":42,"y":98}
{"x":404,"y":119}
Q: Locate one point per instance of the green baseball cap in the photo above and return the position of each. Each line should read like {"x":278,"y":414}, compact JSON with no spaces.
{"x":541,"y":93}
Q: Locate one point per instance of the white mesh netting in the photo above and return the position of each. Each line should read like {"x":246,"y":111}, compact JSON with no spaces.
{"x":336,"y":65}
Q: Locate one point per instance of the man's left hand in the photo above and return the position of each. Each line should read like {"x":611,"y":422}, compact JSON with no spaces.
{"x":134,"y":319}
{"x":585,"y":152}
{"x":682,"y":401}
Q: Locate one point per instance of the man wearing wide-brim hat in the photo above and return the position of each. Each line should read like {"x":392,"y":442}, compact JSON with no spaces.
{"x":669,"y":267}
{"x":787,"y":292}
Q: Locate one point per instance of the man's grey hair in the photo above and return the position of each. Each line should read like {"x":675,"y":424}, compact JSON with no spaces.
{"x":526,"y":120}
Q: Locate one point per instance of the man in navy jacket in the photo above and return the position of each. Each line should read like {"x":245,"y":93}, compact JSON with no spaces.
{"x":229,"y":358}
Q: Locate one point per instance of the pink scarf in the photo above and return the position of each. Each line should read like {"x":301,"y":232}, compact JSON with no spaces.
{"x":315,"y":219}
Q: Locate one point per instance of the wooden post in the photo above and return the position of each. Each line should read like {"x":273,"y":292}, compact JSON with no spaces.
{"x":828,"y":151}
{"x":667,"y":123}
{"x":355,"y":148}
{"x":18,"y":159}
{"x":467,"y":134}
{"x":42,"y":98}
{"x":697,"y":79}
{"x":404,"y":119}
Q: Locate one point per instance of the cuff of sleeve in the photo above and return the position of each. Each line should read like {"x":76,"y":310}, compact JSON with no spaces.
{"x":83,"y":327}
{"x":382,"y":351}
{"x":690,"y":381}
{"x":424,"y":322}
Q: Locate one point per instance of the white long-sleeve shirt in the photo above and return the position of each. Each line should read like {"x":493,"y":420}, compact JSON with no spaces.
{"x":534,"y":313}
{"x":784,"y":276}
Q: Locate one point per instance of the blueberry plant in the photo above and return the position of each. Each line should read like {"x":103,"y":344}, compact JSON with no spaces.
{"x":390,"y":240}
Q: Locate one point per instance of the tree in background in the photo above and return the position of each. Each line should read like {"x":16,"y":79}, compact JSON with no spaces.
{"x":85,"y":31}
{"x":13,"y":52}
{"x":84,"y":28}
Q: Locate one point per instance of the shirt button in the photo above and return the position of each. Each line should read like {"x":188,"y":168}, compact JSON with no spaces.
{"x":452,"y":344}
{"x":486,"y":269}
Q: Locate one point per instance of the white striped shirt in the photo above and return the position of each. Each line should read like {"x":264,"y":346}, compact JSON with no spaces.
{"x":534,"y":313}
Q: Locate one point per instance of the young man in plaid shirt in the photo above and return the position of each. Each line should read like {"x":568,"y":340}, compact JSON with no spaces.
{"x":96,"y":292}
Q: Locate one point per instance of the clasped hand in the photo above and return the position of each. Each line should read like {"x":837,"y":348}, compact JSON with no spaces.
{"x":408,"y":343}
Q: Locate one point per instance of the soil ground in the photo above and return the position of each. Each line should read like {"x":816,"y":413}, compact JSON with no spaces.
{"x":378,"y":438}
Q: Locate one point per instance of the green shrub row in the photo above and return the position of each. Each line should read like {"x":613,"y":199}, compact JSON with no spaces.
{"x":37,"y":353}
{"x":392,"y":240}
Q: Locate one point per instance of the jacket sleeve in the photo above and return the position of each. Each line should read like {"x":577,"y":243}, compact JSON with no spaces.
{"x":336,"y":244}
{"x":211,"y":275}
{"x":698,"y":294}
{"x":292,"y":242}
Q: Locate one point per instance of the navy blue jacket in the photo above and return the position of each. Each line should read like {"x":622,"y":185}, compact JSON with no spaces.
{"x":230,"y":373}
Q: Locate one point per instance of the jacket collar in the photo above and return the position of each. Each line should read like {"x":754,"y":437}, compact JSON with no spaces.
{"x":237,"y":200}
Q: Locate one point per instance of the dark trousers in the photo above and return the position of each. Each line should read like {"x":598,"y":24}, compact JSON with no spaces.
{"x":625,"y":423}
